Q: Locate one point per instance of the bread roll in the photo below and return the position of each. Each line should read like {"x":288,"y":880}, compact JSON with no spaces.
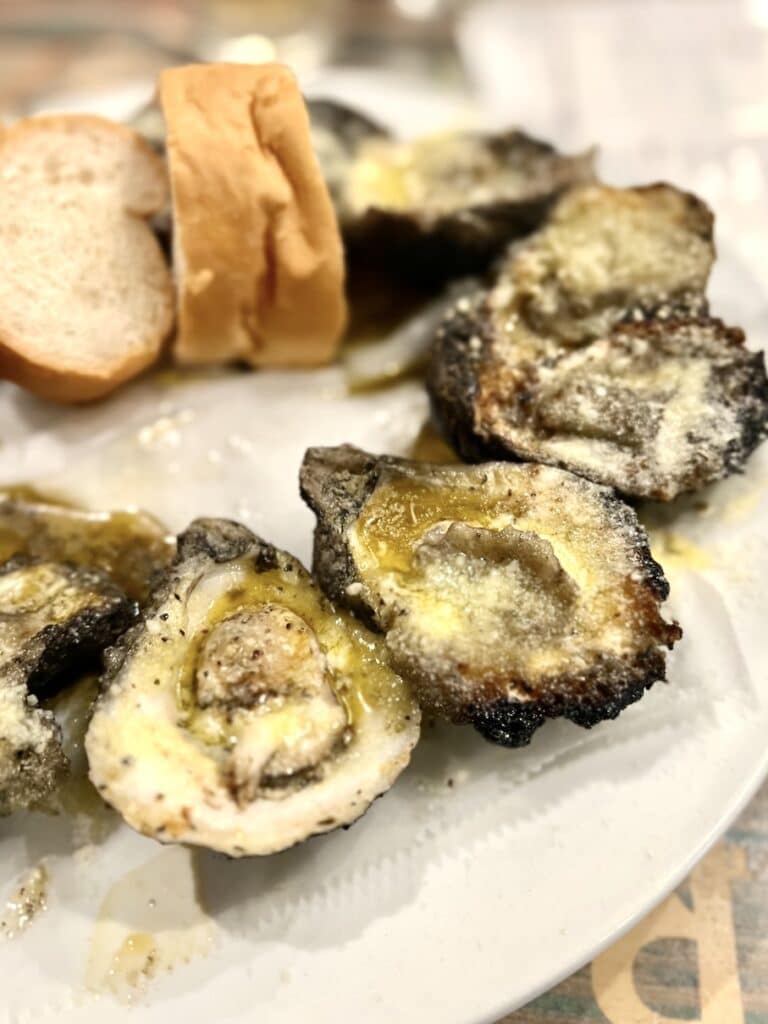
{"x":257,"y":253}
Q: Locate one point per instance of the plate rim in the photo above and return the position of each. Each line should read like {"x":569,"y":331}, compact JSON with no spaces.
{"x":671,"y":882}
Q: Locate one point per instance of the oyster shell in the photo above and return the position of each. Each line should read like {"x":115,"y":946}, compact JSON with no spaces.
{"x":337,"y":132}
{"x":437,"y":206}
{"x":53,"y":617}
{"x":595,"y":352}
{"x":507,"y":594}
{"x":244,"y":713}
{"x":131,"y":547}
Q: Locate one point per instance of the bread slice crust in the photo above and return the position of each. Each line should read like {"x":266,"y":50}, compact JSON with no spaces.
{"x":89,"y":297}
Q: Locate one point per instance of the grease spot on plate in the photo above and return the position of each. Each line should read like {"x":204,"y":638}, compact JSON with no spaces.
{"x":149,"y":923}
{"x":676,"y":552}
{"x":25,"y":902}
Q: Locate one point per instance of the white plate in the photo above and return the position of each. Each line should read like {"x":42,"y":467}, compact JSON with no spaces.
{"x":447,"y":903}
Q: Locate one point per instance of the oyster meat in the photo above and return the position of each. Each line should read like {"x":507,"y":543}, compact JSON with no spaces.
{"x":244,"y":713}
{"x":595,"y":352}
{"x":437,"y":206}
{"x":507,"y":593}
{"x":53,"y":618}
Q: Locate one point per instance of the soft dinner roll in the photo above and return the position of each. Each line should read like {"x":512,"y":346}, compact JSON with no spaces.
{"x":257,"y":253}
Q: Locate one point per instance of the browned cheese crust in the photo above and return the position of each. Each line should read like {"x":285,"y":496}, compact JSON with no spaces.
{"x":595,"y":351}
{"x":508,"y":594}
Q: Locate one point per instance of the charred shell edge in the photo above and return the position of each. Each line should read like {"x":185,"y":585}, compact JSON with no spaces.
{"x":466,"y":240}
{"x":463,"y":342}
{"x":223,"y":540}
{"x":512,"y":724}
{"x":337,"y":482}
{"x":348,"y":125}
{"x":753,"y":428}
{"x":450,"y":245}
{"x":35,"y":774}
{"x":86,"y":634}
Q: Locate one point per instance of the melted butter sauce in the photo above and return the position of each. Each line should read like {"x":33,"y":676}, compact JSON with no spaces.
{"x":133,"y":965}
{"x":405,"y":505}
{"x":360,"y":674}
{"x":671,"y":548}
{"x":128,"y":545}
{"x":742,"y":506}
{"x":169,"y":377}
{"x":448,"y":605}
{"x":403,"y":508}
{"x":25,"y":903}
{"x":440,"y":173}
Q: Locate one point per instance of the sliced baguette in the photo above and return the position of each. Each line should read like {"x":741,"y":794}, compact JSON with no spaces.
{"x":86,"y":297}
{"x":257,"y":253}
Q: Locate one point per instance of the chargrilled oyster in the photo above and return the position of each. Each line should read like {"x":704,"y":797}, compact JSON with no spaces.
{"x":595,"y":352}
{"x":508,"y":594}
{"x":440,"y":205}
{"x":53,"y":618}
{"x":244,"y":713}
{"x":131,"y":547}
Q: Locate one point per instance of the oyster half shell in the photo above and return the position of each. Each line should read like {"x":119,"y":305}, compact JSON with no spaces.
{"x":244,"y":713}
{"x":436,"y":206}
{"x":594,"y":351}
{"x":131,"y":547}
{"x":507,"y":594}
{"x":52,"y":619}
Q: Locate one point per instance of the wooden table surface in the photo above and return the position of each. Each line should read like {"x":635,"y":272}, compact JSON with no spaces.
{"x":701,"y":956}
